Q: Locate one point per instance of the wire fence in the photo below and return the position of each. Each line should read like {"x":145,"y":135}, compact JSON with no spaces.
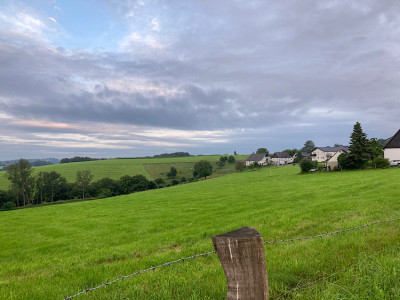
{"x":266,"y":243}
{"x":335,"y":273}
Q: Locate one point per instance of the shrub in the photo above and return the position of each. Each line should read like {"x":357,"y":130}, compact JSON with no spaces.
{"x":240,"y":166}
{"x":255,"y":165}
{"x":8,"y":206}
{"x":231,"y":159}
{"x":104,"y":193}
{"x":159,"y":181}
{"x":183,"y":179}
{"x":380,"y":162}
{"x":175,"y":182}
{"x":152,"y":185}
{"x":220,"y":163}
{"x":307,"y":164}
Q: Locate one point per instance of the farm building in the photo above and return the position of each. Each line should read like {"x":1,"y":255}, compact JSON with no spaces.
{"x":324,"y":154}
{"x":392,"y":147}
{"x":259,"y":158}
{"x":281,"y":158}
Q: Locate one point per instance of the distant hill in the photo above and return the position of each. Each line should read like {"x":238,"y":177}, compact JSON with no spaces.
{"x":33,"y":161}
{"x":151,"y":168}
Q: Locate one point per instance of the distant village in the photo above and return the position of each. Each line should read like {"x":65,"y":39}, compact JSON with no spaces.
{"x":328,"y":155}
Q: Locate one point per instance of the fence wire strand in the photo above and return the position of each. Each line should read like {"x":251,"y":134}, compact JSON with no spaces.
{"x":335,"y":273}
{"x":330,"y":233}
{"x":213,"y":252}
{"x":139,"y":272}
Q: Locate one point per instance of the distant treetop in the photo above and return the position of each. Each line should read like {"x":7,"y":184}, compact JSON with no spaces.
{"x":175,"y":154}
{"x":76,"y":159}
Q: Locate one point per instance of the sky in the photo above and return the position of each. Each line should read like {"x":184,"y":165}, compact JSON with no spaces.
{"x":137,"y":78}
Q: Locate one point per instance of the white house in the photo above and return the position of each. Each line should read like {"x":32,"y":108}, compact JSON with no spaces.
{"x":260,"y":158}
{"x":333,"y":161}
{"x":281,"y":158}
{"x":392,"y":147}
{"x":323,"y":154}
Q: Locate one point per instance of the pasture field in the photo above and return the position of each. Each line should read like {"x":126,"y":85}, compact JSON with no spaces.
{"x":51,"y":252}
{"x":116,"y":168}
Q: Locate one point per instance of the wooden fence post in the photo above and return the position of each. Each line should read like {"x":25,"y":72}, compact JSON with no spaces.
{"x":242,"y":257}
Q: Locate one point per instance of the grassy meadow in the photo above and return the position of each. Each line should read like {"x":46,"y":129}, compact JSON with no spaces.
{"x":151,"y":168}
{"x":51,"y":252}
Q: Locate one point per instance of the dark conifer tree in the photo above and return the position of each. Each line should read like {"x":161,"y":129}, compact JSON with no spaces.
{"x":359,"y":148}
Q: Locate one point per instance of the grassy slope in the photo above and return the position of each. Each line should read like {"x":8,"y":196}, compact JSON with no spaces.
{"x":115,"y":168}
{"x":55,"y":251}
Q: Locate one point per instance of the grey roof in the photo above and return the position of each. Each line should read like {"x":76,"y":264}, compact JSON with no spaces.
{"x":334,"y":149}
{"x":281,"y":155}
{"x":394,"y":141}
{"x":256,"y":157}
{"x":305,"y":154}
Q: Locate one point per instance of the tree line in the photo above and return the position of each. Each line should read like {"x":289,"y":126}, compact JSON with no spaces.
{"x":26,"y":189}
{"x":47,"y":187}
{"x":76,"y":159}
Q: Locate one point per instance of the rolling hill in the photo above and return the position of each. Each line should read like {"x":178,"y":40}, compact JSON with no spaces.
{"x":152,"y":168}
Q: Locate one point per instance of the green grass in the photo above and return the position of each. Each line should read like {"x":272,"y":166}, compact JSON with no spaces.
{"x":51,"y":252}
{"x":115,"y":168}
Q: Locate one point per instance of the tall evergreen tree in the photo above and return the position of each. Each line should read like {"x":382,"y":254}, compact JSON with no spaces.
{"x":359,"y":148}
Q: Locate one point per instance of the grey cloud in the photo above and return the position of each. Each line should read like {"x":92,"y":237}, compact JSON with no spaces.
{"x":255,"y":65}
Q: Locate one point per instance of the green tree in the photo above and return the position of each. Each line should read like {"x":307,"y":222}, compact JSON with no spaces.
{"x":104,"y":187}
{"x":130,"y":184}
{"x":231,"y":159}
{"x":83,"y":179}
{"x":49,"y":185}
{"x":262,"y":150}
{"x":309,"y":146}
{"x":172,"y":172}
{"x":291,"y":152}
{"x":343,"y":161}
{"x":234,"y":152}
{"x":359,"y":148}
{"x":202,"y":168}
{"x":22,"y":182}
{"x":374,"y":148}
{"x":299,"y":157}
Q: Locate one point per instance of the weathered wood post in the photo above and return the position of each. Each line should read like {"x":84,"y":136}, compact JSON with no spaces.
{"x":242,"y":257}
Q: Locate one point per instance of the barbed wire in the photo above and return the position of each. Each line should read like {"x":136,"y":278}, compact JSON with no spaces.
{"x":329,"y":233}
{"x":139,"y":272}
{"x":335,"y":273}
{"x":213,"y":252}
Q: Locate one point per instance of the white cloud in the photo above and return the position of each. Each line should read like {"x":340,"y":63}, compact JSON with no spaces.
{"x":52,"y":19}
{"x":155,"y":25}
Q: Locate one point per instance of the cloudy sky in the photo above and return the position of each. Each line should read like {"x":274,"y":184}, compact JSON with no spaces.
{"x":135,"y":78}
